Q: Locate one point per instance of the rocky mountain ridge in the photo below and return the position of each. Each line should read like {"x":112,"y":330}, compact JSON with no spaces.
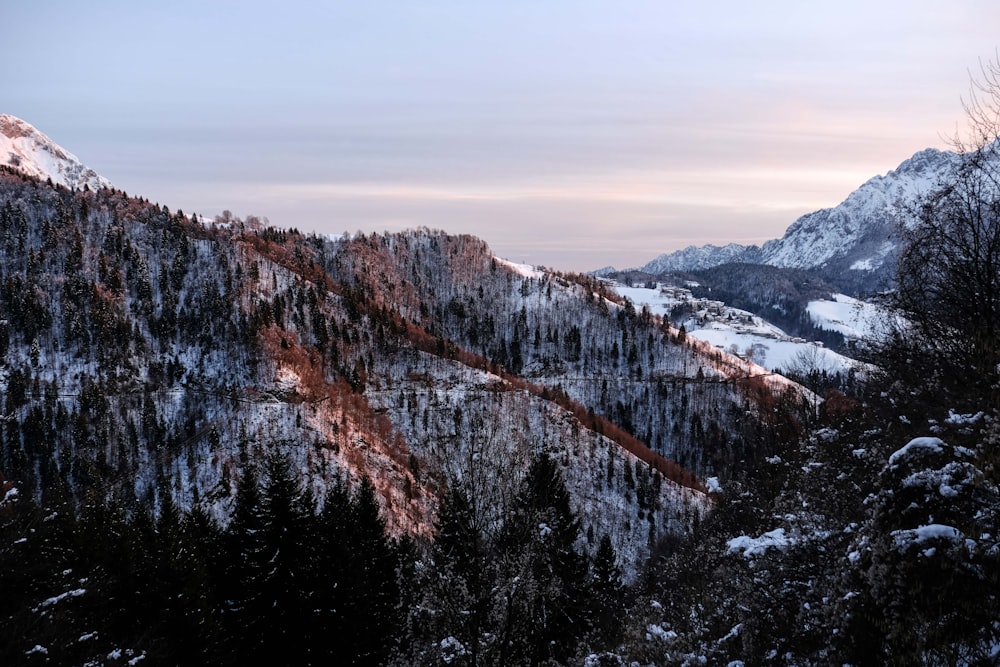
{"x":852,"y":243}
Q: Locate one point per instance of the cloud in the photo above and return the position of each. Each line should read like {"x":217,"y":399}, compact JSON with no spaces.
{"x":558,"y":129}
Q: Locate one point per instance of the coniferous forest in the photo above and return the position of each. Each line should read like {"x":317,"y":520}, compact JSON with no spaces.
{"x":224,"y":442}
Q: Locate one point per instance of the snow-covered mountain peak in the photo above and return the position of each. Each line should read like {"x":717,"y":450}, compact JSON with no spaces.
{"x":701,"y":257}
{"x":31,"y":152}
{"x":859,"y":227}
{"x":857,"y":235}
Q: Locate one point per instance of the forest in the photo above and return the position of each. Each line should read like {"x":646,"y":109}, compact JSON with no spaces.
{"x":223,"y":441}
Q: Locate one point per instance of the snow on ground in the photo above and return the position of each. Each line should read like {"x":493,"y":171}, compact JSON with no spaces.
{"x":525,"y":270}
{"x":660,"y":302}
{"x":876,"y":260}
{"x":28,"y":150}
{"x":774,"y":353}
{"x":745,"y":334}
{"x":852,"y":317}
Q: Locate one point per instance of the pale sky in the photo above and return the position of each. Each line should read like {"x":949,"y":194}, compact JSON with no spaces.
{"x":570,"y":134}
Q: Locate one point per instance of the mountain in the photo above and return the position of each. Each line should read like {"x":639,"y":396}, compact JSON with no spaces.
{"x":701,"y":257}
{"x":223,"y":442}
{"x":857,"y":235}
{"x":24,"y":148}
{"x":850,"y":244}
{"x":154,"y":359}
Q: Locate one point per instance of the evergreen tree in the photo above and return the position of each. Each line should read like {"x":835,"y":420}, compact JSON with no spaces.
{"x":929,"y":571}
{"x":450,"y":621}
{"x":607,"y":603}
{"x":541,"y":613}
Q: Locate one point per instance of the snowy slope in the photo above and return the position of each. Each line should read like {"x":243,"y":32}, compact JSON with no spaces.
{"x":748,"y":336}
{"x":693,"y":258}
{"x":29,"y":151}
{"x":855,"y":319}
{"x":860,"y":226}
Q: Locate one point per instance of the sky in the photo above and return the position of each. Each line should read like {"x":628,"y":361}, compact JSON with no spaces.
{"x":573,"y":135}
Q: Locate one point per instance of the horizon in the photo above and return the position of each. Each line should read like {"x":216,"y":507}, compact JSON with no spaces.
{"x":570,"y":135}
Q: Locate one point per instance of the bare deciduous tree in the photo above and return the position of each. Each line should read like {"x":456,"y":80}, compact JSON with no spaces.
{"x":948,"y":282}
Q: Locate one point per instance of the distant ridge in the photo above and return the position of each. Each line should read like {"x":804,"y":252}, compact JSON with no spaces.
{"x":856,"y":237}
{"x":28,"y":150}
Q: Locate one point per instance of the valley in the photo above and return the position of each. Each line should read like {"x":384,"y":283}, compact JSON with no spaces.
{"x":436,"y":455}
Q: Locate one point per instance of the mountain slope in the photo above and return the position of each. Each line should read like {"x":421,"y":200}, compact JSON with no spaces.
{"x":858,"y":232}
{"x":850,"y":244}
{"x":152,"y":357}
{"x":24,"y":148}
{"x":693,"y":258}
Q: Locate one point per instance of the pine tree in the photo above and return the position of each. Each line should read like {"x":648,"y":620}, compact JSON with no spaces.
{"x":451,"y":618}
{"x":543,"y":575}
{"x":607,"y":602}
{"x":930,"y":574}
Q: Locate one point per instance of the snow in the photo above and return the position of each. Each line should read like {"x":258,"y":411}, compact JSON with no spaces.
{"x":698,"y":257}
{"x":525,"y":270}
{"x":11,"y":493}
{"x":849,"y":316}
{"x":819,"y":237}
{"x":876,"y":260}
{"x":287,"y":380}
{"x":451,"y":649}
{"x":713,"y":485}
{"x":734,"y":329}
{"x":658,"y":631}
{"x":922,"y":534}
{"x":778,"y":353}
{"x":31,"y":152}
{"x":75,"y":593}
{"x":659,"y":301}
{"x":756,"y":546}
{"x":948,"y":481}
{"x":930,"y":444}
{"x":858,"y":230}
{"x":963,"y":420}
{"x":37,"y":648}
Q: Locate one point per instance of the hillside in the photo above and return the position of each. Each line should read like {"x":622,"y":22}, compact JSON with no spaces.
{"x":224,"y":443}
{"x":399,"y":358}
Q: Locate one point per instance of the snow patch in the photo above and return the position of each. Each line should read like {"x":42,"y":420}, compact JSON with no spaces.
{"x":962,"y":420}
{"x":922,"y":534}
{"x":75,"y":593}
{"x":756,"y":546}
{"x":851,"y":317}
{"x":10,"y":495}
{"x":928,"y":444}
{"x":659,"y":632}
{"x":525,"y":270}
{"x":451,"y":649}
